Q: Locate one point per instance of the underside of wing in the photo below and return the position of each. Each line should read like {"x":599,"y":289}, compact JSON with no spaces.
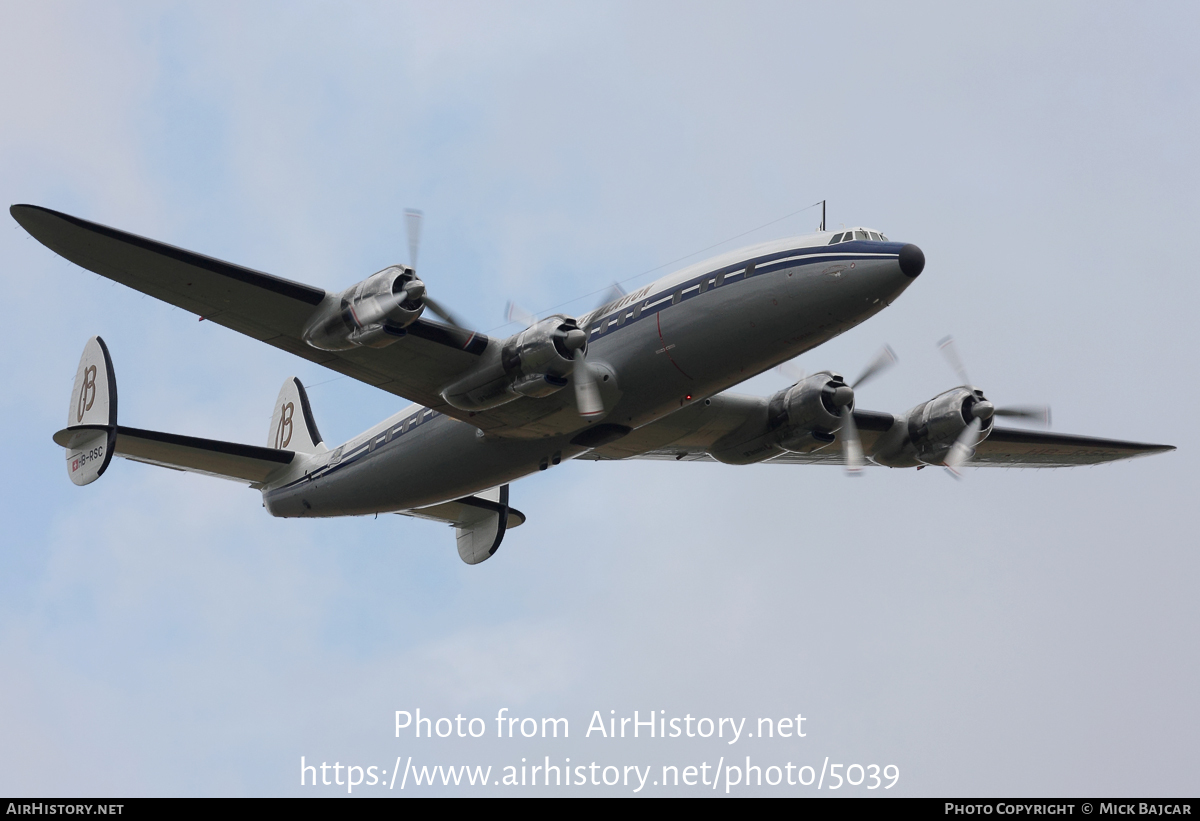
{"x":1039,"y":449}
{"x":268,"y":308}
{"x":696,"y":433}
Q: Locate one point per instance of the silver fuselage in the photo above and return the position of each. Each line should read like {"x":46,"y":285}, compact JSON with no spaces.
{"x":678,"y":341}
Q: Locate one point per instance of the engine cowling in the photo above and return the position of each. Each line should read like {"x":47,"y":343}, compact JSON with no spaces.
{"x":931,"y":429}
{"x":800,"y":418}
{"x":809,"y":412}
{"x":535,"y":362}
{"x":934,"y":427}
{"x":368,"y":314}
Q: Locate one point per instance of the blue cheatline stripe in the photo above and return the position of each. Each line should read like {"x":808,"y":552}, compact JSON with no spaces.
{"x":652,"y":304}
{"x":419,"y":417}
{"x":772,"y":263}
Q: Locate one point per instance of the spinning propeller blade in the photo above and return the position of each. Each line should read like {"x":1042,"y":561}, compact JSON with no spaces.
{"x":843,"y":398}
{"x":950,"y":350}
{"x":883,"y":361}
{"x":851,"y":443}
{"x":412,"y":226}
{"x":1038,"y":413}
{"x":963,"y":447}
{"x":587,"y":395}
{"x":416,"y":289}
{"x":515,"y":313}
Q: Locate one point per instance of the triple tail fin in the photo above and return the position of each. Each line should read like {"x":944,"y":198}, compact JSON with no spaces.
{"x":292,"y":424}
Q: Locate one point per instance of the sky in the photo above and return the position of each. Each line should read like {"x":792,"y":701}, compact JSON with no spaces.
{"x":1016,"y":633}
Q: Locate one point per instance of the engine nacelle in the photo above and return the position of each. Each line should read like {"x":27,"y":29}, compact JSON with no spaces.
{"x":808,"y":413}
{"x":929,"y":430}
{"x":802,"y":418}
{"x":370,"y":314}
{"x":536,"y":362}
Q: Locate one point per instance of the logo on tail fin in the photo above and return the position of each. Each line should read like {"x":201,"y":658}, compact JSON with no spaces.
{"x":87,"y":393}
{"x":285,"y":423}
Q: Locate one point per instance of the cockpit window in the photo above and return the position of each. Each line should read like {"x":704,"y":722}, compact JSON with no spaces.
{"x":861,"y":233}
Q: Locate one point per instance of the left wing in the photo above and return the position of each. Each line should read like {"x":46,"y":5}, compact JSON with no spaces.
{"x":268,"y":308}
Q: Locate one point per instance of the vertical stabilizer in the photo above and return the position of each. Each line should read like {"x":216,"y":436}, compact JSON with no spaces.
{"x":292,"y":423}
{"x":91,"y":431}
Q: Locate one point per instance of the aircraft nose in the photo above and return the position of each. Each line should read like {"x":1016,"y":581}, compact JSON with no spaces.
{"x":912,"y":261}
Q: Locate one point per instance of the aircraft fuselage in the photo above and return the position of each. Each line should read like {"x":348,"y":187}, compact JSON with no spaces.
{"x":678,"y":341}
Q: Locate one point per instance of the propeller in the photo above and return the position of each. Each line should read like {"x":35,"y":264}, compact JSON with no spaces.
{"x":791,"y":371}
{"x":614,"y":293}
{"x":412,"y":227}
{"x":415,"y":289}
{"x":587,"y":394}
{"x":515,"y":313}
{"x":574,"y":340}
{"x":884,"y":360}
{"x":1038,"y":413}
{"x":843,"y":399}
{"x":964,"y":446}
{"x":981,"y":411}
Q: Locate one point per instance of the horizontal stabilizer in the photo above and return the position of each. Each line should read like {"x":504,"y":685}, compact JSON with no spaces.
{"x":479,"y":521}
{"x":225,"y":460}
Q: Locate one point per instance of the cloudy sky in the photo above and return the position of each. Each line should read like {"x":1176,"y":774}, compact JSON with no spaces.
{"x":1019,"y":632}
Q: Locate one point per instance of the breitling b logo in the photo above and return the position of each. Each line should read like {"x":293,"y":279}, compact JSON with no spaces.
{"x":283,"y":436}
{"x":87,"y":393}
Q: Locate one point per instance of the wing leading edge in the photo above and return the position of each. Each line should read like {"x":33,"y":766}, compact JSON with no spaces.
{"x":266,"y":307}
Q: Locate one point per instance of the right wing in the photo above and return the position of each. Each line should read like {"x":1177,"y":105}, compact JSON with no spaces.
{"x":1012,"y":448}
{"x":262,"y":306}
{"x":688,"y":435}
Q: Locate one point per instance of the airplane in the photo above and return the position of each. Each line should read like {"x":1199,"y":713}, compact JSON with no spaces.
{"x":644,"y":376}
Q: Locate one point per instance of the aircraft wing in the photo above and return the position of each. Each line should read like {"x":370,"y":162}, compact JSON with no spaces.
{"x":268,"y":308}
{"x":1015,"y":448}
{"x":688,"y":436}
